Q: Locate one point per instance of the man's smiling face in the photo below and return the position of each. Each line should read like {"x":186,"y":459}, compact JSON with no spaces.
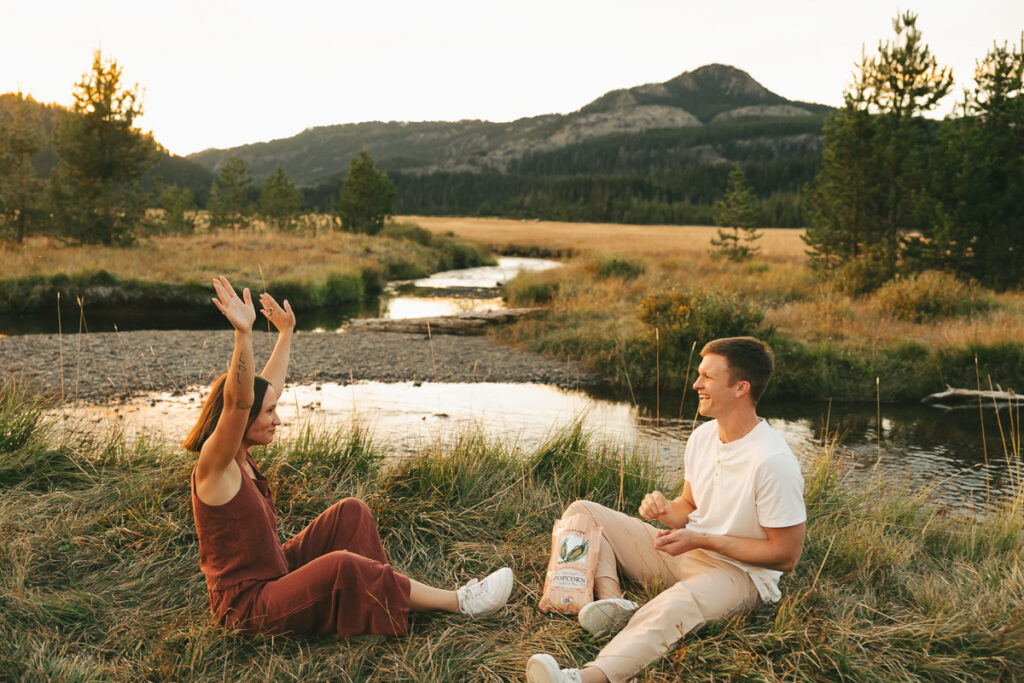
{"x":715,"y":386}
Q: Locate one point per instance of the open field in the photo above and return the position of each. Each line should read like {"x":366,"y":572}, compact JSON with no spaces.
{"x":99,"y":576}
{"x":172,"y":259}
{"x":327,"y":266}
{"x":503,"y":235}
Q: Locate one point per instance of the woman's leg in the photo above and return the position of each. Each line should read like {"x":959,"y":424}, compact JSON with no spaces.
{"x":423,"y":598}
{"x":339,"y":592}
{"x":346,"y":525}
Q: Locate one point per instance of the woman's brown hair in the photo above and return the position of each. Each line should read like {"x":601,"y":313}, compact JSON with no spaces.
{"x":213,"y":407}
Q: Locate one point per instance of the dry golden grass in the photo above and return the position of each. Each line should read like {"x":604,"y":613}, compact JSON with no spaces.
{"x":832,"y":316}
{"x":777,"y":244}
{"x":281,"y":256}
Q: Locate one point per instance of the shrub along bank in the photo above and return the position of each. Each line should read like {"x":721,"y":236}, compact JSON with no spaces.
{"x":642,"y":321}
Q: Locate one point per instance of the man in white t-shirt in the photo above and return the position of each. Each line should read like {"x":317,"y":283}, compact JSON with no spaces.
{"x":738,"y":524}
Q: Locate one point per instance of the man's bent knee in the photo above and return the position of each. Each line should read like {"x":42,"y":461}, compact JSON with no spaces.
{"x":584,"y":507}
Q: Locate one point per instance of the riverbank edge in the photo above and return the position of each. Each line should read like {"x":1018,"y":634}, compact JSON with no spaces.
{"x":905,"y":372}
{"x":41,"y":293}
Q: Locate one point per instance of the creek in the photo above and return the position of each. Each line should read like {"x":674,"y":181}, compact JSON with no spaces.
{"x":938,"y":452}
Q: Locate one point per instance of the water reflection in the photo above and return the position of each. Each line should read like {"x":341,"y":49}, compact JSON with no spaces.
{"x":427,"y":307}
{"x":916,"y":445}
{"x":487,"y":276}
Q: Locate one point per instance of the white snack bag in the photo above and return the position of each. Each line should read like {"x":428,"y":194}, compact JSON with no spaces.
{"x":575,"y":545}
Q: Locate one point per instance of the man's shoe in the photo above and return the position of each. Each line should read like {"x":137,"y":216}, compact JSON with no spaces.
{"x":606,"y":616}
{"x":480,"y":598}
{"x":544,"y":669}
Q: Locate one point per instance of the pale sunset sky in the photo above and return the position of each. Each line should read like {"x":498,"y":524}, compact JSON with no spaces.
{"x":221,"y":73}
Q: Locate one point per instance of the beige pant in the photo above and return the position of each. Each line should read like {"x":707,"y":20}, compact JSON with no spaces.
{"x":700,"y":589}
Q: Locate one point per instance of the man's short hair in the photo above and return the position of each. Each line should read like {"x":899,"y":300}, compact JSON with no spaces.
{"x":749,"y":360}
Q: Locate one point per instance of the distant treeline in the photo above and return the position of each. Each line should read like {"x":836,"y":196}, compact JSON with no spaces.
{"x":683,"y":196}
{"x":659,"y":176}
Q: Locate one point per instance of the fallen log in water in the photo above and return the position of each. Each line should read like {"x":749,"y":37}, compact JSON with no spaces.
{"x":463,"y":323}
{"x":968,"y":398}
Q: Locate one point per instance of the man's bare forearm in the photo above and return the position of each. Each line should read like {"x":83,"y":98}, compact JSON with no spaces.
{"x":781,"y":550}
{"x":680,"y":515}
{"x":756,"y":551}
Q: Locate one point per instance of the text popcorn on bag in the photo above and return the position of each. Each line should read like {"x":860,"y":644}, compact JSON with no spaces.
{"x":569,"y":585}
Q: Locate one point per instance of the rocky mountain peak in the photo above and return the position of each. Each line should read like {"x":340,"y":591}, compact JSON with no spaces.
{"x":704,"y":93}
{"x":720,"y":79}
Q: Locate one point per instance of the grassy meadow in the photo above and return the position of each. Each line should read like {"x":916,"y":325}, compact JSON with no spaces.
{"x":506,"y":235}
{"x":315,"y":267}
{"x":636,"y":299}
{"x":99,"y":576}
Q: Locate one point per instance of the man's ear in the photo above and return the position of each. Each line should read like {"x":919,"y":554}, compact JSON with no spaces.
{"x":742,"y":387}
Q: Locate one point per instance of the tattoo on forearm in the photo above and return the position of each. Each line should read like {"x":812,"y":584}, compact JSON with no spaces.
{"x":241,"y":371}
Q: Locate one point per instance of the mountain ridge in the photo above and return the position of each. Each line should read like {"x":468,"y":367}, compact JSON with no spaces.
{"x":693,"y":99}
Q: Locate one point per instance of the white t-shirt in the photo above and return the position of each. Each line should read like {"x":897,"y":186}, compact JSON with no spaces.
{"x":740,"y":487}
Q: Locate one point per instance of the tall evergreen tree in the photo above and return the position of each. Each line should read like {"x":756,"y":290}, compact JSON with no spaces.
{"x":864,"y":199}
{"x":21,"y":191}
{"x":367,"y":196}
{"x":179,"y":204}
{"x":978,"y":222}
{"x":102,"y":157}
{"x":280,"y":200}
{"x":737,"y":211}
{"x":231,"y":205}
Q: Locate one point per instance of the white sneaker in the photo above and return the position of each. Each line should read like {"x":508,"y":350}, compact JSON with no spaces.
{"x":544,"y":669}
{"x":606,"y":616}
{"x":480,"y":598}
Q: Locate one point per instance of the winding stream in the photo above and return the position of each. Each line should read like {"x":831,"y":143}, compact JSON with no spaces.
{"x":921,"y":446}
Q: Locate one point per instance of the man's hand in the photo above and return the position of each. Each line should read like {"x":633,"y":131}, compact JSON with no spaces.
{"x":678,"y":541}
{"x":671,"y":513}
{"x":655,"y":506}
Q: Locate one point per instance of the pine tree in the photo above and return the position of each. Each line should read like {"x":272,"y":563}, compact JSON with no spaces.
{"x":102,"y":157}
{"x":179,"y":203}
{"x":235,"y":187}
{"x":864,"y":201}
{"x":978,"y":223}
{"x":21,"y":191}
{"x":280,"y":200}
{"x":367,"y":196}
{"x":216,"y":211}
{"x":738,"y":212}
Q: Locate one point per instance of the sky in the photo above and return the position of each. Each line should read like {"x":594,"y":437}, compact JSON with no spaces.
{"x":222,"y":73}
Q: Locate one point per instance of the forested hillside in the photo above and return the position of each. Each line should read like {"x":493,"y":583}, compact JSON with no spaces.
{"x":656,"y":153}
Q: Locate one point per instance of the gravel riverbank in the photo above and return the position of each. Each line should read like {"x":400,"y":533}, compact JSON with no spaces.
{"x":112,"y":366}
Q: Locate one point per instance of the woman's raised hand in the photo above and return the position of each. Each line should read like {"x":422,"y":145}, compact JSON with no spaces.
{"x":283,"y":318}
{"x":239,"y":312}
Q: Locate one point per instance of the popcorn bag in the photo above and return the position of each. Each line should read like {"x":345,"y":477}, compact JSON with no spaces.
{"x":569,"y":585}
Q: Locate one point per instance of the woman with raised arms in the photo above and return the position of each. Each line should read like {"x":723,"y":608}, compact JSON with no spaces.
{"x":333,"y":577}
